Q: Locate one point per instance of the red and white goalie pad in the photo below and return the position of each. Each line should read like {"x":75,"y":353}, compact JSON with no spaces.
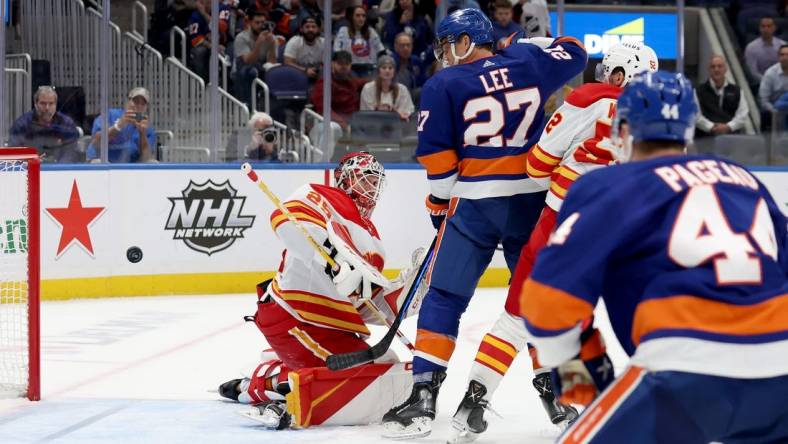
{"x":357,"y":396}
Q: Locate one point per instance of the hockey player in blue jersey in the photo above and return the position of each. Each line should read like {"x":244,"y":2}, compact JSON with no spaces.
{"x":478,"y":118}
{"x":690,"y":256}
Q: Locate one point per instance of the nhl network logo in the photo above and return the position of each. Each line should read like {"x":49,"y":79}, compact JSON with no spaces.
{"x":208,"y":216}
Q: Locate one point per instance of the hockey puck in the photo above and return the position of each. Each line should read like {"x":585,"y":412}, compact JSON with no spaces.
{"x":134,"y":254}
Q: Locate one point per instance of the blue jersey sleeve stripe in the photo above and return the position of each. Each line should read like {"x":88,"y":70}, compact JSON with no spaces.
{"x":717,"y":337}
{"x":462,"y":178}
{"x":543,"y":333}
{"x":441,"y":175}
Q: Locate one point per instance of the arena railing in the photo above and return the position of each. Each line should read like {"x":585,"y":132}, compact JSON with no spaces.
{"x":176,"y":31}
{"x":185,"y":112}
{"x":266,"y":96}
{"x":19,"y":61}
{"x":235,"y":114}
{"x":138,"y":9}
{"x":17,"y":99}
{"x":311,"y":124}
{"x":178,"y":95}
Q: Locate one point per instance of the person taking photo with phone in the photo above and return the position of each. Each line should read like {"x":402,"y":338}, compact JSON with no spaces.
{"x":254,"y":47}
{"x":131,"y":136}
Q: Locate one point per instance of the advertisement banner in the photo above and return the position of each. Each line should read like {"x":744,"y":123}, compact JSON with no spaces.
{"x":174,"y":230}
{"x":600,"y":30}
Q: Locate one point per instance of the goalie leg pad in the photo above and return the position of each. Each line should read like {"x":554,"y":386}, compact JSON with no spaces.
{"x":301,"y":345}
{"x":356,"y":396}
{"x":266,"y":384}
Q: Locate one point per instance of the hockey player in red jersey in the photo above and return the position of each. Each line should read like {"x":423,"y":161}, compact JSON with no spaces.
{"x":575,"y":140}
{"x":310,"y":310}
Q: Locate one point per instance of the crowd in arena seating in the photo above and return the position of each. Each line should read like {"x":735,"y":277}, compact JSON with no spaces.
{"x":381,"y":56}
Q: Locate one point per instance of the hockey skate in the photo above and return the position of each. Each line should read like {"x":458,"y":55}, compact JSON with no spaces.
{"x":413,"y":418}
{"x":231,"y":389}
{"x":272,"y":415}
{"x":561,"y":415}
{"x":469,"y":421}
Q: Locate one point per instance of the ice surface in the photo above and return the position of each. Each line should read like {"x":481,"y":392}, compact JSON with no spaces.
{"x":146,"y":370}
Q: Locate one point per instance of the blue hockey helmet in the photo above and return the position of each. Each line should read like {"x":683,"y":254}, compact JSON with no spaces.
{"x":466,"y":21}
{"x":658,"y":106}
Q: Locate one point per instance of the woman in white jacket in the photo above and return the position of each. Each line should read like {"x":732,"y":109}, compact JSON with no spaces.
{"x":384,"y":93}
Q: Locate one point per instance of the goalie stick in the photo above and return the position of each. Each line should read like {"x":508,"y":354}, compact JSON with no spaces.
{"x":351,"y":359}
{"x":247,"y":170}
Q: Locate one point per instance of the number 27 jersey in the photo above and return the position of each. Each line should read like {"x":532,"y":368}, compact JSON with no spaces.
{"x":478,"y":120}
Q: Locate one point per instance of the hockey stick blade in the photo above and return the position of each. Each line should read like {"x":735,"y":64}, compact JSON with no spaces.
{"x":342,"y":361}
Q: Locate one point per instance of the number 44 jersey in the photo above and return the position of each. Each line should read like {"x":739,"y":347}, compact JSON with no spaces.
{"x":478,"y":120}
{"x":689,"y":254}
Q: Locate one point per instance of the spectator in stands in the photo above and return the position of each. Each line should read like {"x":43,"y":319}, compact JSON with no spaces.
{"x":305,"y":51}
{"x":254,"y":47}
{"x":761,"y":53}
{"x":404,"y":19}
{"x":309,"y":8}
{"x":385,"y":93}
{"x":182,"y":10}
{"x":339,"y":12}
{"x":131,"y":136}
{"x":722,"y":108}
{"x":263,"y":145}
{"x":409,"y":70}
{"x":360,"y":40}
{"x":775,"y":81}
{"x":54,"y":134}
{"x":345,"y":89}
{"x":200,"y":35}
{"x":503,"y":26}
{"x":276,"y":13}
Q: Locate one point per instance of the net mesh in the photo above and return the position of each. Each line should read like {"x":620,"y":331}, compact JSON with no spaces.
{"x":14,"y":359}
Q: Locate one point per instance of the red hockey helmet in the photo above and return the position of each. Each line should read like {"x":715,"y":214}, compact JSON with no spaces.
{"x":362,"y":177}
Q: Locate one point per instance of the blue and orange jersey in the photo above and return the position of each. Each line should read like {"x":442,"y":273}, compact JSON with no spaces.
{"x":689,"y":254}
{"x":478,"y":120}
{"x":200,"y":29}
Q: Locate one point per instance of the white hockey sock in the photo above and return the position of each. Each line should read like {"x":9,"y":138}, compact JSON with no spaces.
{"x":498,"y":349}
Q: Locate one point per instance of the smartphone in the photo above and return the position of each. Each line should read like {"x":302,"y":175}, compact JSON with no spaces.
{"x":139,"y":117}
{"x":269,"y":26}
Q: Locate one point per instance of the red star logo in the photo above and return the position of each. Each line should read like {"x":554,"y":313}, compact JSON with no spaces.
{"x":74,"y":221}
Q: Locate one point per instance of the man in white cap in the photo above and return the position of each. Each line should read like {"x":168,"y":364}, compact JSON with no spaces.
{"x":131,"y":136}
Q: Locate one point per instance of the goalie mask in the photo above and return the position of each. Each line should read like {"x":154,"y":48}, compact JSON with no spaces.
{"x":362,"y":177}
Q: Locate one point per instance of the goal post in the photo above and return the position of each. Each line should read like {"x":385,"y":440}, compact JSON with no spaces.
{"x":19,"y":273}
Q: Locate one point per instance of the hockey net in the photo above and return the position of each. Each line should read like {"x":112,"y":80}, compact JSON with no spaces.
{"x":19,"y":273}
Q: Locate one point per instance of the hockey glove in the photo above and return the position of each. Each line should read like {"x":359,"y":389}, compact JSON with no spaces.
{"x":438,"y":208}
{"x":582,"y":379}
{"x":348,"y":279}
